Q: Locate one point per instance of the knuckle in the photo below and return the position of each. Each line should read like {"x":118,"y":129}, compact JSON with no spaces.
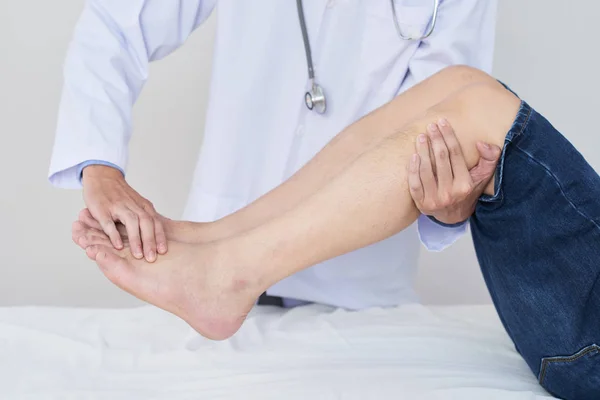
{"x":442,"y":154}
{"x":130,"y":215}
{"x":416,"y":192}
{"x":145,"y":217}
{"x":107,"y":225}
{"x":443,"y":200}
{"x":117,"y":205}
{"x":430,"y":205}
{"x":465,"y":190}
{"x":454,"y":150}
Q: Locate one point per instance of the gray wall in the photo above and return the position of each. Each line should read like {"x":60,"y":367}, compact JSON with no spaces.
{"x":38,"y":262}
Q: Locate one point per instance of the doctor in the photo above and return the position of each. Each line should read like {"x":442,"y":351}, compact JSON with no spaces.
{"x":261,"y":127}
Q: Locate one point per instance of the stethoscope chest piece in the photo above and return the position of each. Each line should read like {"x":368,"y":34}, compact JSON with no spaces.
{"x":315,"y":99}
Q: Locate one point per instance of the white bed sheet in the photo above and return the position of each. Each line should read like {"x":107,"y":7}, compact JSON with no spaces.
{"x":313,"y":352}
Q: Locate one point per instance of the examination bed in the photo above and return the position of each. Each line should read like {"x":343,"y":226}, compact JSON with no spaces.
{"x":312,"y":352}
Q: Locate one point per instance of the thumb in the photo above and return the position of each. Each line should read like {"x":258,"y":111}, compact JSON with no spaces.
{"x":486,"y":167}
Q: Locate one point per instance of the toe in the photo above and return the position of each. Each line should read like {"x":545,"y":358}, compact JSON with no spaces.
{"x":77,"y":231}
{"x":92,"y":251}
{"x":118,"y":270}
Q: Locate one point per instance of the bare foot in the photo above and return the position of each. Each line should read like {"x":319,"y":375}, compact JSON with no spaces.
{"x":198,"y":283}
{"x":178,"y":231}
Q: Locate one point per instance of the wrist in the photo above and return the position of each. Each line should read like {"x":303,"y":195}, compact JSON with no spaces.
{"x":101,"y":171}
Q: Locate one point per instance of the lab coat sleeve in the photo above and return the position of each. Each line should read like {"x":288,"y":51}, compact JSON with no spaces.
{"x":105,"y":69}
{"x":465,"y":34}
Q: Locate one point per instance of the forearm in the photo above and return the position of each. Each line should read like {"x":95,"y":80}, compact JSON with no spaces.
{"x":342,"y":151}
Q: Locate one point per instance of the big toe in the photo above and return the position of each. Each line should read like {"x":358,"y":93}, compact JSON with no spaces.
{"x":116,"y":269}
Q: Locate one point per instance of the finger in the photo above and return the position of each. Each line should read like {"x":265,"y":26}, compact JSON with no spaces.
{"x":108,"y":226}
{"x":442,"y":160}
{"x":85,"y":216}
{"x":131,"y":222}
{"x":159,"y":229}
{"x":486,"y":167}
{"x":457,"y":159}
{"x":148,"y":237}
{"x":77,"y":232}
{"x":414,"y":181}
{"x":426,"y":168}
{"x":161,"y":237}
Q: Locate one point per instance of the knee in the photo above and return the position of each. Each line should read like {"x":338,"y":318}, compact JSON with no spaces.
{"x":464,"y":75}
{"x":488,"y":99}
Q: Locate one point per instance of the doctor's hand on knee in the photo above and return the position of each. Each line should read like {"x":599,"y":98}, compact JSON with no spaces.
{"x":440,"y":183}
{"x":110,"y":199}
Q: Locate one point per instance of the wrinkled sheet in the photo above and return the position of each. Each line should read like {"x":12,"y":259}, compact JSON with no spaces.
{"x":312,"y":352}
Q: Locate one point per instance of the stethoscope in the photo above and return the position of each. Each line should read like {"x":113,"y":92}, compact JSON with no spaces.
{"x":315,"y":97}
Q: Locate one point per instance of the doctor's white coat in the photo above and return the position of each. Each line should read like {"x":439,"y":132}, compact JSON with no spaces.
{"x":258,"y":131}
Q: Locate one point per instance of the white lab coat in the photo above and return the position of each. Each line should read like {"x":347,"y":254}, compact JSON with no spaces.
{"x":258,"y":131}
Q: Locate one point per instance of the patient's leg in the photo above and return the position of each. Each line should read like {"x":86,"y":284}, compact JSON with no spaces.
{"x":344,"y":149}
{"x":213,"y":286}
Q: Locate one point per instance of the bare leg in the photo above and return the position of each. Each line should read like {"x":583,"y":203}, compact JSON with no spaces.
{"x":213,"y":286}
{"x":343,"y":150}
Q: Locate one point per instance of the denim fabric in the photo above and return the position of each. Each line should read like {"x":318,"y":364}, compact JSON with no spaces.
{"x":538,"y":244}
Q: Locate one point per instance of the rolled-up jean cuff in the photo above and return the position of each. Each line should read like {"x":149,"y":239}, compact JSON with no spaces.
{"x":459,"y":224}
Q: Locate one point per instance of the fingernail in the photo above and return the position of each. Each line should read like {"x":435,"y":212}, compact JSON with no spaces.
{"x":422,"y":138}
{"x":487,"y":146}
{"x":119,"y":244}
{"x":162,"y":248}
{"x":81,"y":241}
{"x":443,"y":122}
{"x":432,"y":128}
{"x":138,"y":252}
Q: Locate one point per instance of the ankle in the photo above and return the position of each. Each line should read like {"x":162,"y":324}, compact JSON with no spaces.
{"x":248,"y":266}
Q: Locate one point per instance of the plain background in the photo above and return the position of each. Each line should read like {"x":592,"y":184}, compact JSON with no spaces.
{"x":547,"y":50}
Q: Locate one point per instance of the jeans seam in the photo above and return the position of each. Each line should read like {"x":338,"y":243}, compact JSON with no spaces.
{"x":546,"y":361}
{"x":562,"y":191}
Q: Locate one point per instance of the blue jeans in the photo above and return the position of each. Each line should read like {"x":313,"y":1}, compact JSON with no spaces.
{"x":538,"y":244}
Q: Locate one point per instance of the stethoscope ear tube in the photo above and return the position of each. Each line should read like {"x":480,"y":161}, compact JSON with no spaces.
{"x":434,"y":16}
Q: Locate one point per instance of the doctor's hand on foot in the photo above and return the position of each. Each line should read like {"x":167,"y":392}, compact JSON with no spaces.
{"x":176,"y":231}
{"x":440,"y":183}
{"x":110,"y":199}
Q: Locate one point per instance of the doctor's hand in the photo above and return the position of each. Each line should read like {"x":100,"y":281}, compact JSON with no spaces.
{"x":110,"y":199}
{"x":440,"y":183}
